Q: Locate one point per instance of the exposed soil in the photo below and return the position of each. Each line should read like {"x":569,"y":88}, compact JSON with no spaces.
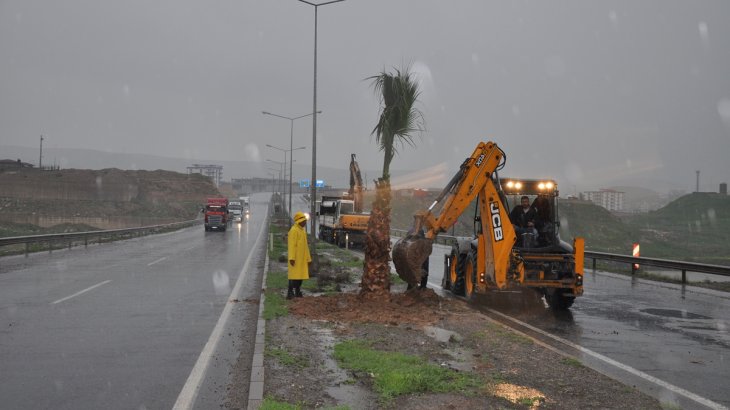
{"x":518,"y":373}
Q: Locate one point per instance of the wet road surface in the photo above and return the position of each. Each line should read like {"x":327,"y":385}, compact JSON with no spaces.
{"x":670,"y":341}
{"x":123,"y":324}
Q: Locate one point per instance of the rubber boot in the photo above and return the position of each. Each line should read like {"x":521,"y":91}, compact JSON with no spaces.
{"x":290,"y":291}
{"x":298,"y":289}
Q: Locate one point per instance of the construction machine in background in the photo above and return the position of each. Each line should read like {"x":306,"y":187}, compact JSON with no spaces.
{"x":495,"y":260}
{"x":341,"y":219}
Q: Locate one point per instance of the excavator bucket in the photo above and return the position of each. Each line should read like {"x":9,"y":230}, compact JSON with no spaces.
{"x":409,"y":253}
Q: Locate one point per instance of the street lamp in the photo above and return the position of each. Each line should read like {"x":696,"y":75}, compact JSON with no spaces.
{"x":313,"y":184}
{"x":281,"y":172}
{"x":291,"y":143}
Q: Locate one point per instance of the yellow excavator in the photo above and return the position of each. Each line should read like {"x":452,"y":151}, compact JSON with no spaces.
{"x":535,"y":262}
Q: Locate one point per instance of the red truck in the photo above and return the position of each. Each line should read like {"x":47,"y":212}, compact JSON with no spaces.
{"x":216,"y":214}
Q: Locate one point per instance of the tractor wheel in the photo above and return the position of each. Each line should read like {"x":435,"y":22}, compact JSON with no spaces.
{"x":557,"y":299}
{"x":456,"y":274}
{"x":470,"y":276}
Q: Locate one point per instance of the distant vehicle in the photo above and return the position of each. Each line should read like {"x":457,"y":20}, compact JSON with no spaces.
{"x":216,"y":214}
{"x":236,"y":210}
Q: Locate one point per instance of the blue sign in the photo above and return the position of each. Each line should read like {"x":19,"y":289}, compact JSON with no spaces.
{"x":320,"y":183}
{"x":304,"y":183}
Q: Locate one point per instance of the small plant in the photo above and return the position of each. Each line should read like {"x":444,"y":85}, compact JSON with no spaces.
{"x":286,"y":358}
{"x":570,"y":361}
{"x":275,"y":305}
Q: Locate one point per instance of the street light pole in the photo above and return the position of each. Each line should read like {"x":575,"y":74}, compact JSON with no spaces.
{"x":313,"y":184}
{"x":291,"y":144}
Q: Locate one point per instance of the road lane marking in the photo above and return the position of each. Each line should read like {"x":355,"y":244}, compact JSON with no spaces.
{"x":157,"y":261}
{"x":678,"y":390}
{"x":189,"y":393}
{"x":81,"y":292}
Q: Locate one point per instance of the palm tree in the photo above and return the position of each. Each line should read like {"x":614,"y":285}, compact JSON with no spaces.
{"x":398,"y":120}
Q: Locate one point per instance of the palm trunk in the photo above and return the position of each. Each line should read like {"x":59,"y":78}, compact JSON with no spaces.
{"x":376,"y":275}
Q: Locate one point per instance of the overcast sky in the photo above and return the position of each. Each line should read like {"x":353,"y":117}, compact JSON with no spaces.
{"x":592,"y":93}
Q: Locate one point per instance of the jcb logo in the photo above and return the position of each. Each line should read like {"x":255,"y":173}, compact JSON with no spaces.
{"x":496,"y":221}
{"x":479,"y":160}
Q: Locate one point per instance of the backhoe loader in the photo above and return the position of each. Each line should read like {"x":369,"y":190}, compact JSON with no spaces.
{"x":495,"y":260}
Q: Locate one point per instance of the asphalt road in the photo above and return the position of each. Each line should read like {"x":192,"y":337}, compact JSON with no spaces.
{"x":670,"y":341}
{"x":122,"y":325}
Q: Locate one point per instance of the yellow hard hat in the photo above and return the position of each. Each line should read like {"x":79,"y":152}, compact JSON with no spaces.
{"x":299,"y":217}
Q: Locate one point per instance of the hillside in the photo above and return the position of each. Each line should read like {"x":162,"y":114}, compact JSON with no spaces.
{"x":105,"y":199}
{"x":695,"y":226}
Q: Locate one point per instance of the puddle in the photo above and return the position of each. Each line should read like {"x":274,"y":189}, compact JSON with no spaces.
{"x":463,"y":360}
{"x":441,"y":335}
{"x":350,"y":395}
{"x":674,"y":313}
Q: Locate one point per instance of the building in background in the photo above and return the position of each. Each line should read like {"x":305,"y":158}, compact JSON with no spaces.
{"x":607,"y":198}
{"x":214,"y":172}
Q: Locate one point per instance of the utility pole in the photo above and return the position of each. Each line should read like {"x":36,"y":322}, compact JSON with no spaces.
{"x":697,"y":187}
{"x":40,"y":155}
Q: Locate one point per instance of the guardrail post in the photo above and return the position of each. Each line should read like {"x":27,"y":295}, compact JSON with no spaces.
{"x":50,"y":246}
{"x":633,"y":269}
{"x":594,"y":264}
{"x":27,"y":248}
{"x":86,"y":241}
{"x":684,"y":276}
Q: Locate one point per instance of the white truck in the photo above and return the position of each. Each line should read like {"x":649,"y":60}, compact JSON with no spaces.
{"x":236,"y":210}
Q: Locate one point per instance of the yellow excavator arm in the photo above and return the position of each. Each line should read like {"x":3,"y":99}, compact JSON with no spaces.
{"x":473,"y":178}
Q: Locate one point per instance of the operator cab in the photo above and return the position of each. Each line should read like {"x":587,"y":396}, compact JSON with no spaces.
{"x":543,"y":202}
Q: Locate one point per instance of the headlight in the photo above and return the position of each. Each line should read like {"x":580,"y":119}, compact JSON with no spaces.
{"x":518,"y":185}
{"x":510,"y":184}
{"x":549,"y":185}
{"x":541,"y":186}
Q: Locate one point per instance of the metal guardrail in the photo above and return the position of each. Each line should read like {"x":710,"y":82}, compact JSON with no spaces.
{"x":660,"y":263}
{"x":74,"y":237}
{"x":631,"y":260}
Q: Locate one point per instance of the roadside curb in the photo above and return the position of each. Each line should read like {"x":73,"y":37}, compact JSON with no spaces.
{"x":256,"y":386}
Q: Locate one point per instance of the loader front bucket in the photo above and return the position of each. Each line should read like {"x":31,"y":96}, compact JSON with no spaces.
{"x":409,"y":253}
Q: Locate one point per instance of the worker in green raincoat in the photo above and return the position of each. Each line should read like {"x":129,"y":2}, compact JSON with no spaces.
{"x":298,"y":255}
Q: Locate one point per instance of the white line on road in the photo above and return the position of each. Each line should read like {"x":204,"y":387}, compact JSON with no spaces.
{"x":80,"y":292}
{"x":157,"y":261}
{"x":678,"y":390}
{"x":189,"y":392}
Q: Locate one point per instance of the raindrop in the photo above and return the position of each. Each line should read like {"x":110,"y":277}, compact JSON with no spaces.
{"x":712,"y":216}
{"x":613,"y":17}
{"x":221,"y":283}
{"x":475,"y":58}
{"x":515,"y":110}
{"x":704,"y":33}
{"x":98,"y":182}
{"x":127,"y":90}
{"x":723,"y":108}
{"x":564,"y":223}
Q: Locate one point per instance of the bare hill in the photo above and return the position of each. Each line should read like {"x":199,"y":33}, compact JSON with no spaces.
{"x":107,"y":198}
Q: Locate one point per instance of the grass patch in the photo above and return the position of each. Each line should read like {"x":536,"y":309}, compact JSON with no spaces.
{"x":270,"y":403}
{"x":396,"y":374}
{"x":570,"y":361}
{"x":286,"y":358}
{"x":275,"y":305}
{"x":506,"y":334}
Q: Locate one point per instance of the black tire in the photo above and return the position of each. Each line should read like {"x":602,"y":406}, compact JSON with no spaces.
{"x":470,"y":276}
{"x":456,"y":276}
{"x":558,"y":300}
